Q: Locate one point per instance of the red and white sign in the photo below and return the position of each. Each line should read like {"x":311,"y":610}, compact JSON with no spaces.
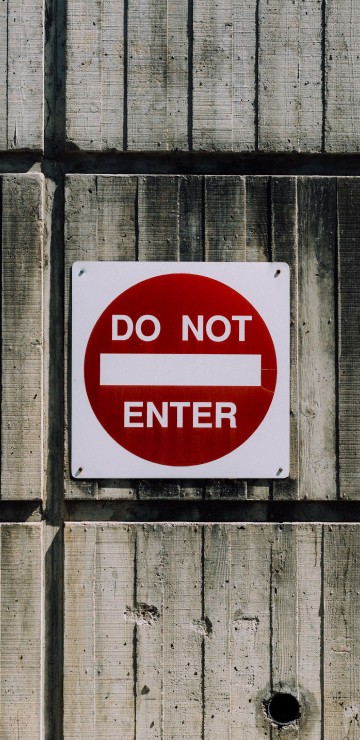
{"x":180,"y":370}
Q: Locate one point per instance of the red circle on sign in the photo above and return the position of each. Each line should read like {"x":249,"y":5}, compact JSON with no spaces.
{"x":191,"y":424}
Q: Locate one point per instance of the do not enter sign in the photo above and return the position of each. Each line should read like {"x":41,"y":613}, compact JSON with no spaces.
{"x":187,"y":383}
{"x":180,"y":370}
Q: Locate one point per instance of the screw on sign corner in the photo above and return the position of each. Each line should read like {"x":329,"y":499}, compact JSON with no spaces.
{"x":283,"y":709}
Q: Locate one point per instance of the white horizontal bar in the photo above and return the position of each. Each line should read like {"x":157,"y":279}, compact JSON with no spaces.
{"x":180,"y":370}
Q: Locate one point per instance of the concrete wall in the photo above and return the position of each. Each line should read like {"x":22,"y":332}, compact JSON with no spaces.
{"x":179,"y":131}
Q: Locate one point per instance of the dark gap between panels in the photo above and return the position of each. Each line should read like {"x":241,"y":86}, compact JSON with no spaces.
{"x":155,"y":510}
{"x":13,"y":512}
{"x":166,"y":510}
{"x":184,"y":163}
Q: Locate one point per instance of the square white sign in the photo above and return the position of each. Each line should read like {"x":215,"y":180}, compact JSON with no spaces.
{"x":180,"y":370}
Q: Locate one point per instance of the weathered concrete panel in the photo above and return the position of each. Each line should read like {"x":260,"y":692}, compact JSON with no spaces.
{"x":22,"y":336}
{"x":160,"y":217}
{"x":224,"y":75}
{"x":290,"y":75}
{"x":187,"y":630}
{"x":21,"y":74}
{"x":95,"y":75}
{"x":349,"y":337}
{"x":21,"y":631}
{"x":342,"y":76}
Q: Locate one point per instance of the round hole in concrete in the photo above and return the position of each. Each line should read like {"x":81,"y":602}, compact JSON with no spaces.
{"x":283,"y":708}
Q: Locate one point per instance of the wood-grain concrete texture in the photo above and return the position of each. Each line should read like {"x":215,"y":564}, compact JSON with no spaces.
{"x":22,"y":403}
{"x":21,"y":74}
{"x":260,"y":75}
{"x":183,"y":631}
{"x":266,"y":75}
{"x":21,"y":633}
{"x":313,"y":224}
